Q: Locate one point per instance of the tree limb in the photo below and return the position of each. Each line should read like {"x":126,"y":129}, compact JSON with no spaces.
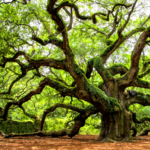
{"x":116,"y":43}
{"x":142,"y":120}
{"x":79,"y":121}
{"x":93,"y":17}
{"x":133,"y":72}
{"x":134,"y":131}
{"x":51,"y":40}
{"x":144,"y":132}
{"x":64,"y":91}
{"x":140,"y":98}
{"x":35,"y":64}
{"x":146,"y":72}
{"x":117,"y":69}
{"x":126,"y":22}
{"x":145,"y":21}
{"x":98,"y":65}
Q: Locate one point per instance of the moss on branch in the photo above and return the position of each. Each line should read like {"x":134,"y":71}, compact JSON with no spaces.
{"x":144,"y":132}
{"x":96,"y":62}
{"x":109,"y":48}
{"x":141,"y":98}
{"x":79,"y":121}
{"x":148,"y":29}
{"x":133,"y":32}
{"x":146,"y":72}
{"x":117,"y":69}
{"x":78,"y":70}
{"x":60,"y":87}
{"x":51,"y":40}
{"x":143,"y":119}
{"x":142,"y":83}
{"x":89,"y":68}
{"x":100,"y":69}
{"x":109,"y":103}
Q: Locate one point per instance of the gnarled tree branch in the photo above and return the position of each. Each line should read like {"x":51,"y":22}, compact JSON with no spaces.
{"x":60,"y":87}
{"x":134,"y":69}
{"x":140,"y":98}
{"x":98,"y":65}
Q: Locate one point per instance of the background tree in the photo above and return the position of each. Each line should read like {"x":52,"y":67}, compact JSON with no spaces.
{"x":79,"y":49}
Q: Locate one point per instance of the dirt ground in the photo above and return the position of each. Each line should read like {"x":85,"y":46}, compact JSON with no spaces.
{"x":78,"y":142}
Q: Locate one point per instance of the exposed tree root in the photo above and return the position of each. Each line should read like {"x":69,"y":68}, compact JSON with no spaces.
{"x":127,"y":139}
{"x":104,"y":140}
{"x":108,"y":140}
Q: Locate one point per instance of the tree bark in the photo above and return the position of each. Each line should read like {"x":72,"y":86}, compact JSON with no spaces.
{"x":115,"y":127}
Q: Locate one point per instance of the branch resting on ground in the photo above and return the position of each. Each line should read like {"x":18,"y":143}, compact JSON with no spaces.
{"x":79,"y":121}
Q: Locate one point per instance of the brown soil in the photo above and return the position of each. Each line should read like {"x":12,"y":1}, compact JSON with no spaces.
{"x":79,"y":142}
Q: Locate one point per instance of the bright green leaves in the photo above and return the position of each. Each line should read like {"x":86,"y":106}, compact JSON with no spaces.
{"x":8,"y":11}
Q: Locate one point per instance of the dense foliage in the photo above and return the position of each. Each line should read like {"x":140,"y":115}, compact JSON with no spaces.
{"x":90,"y":58}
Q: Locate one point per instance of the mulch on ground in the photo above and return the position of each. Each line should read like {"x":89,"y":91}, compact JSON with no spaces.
{"x":78,"y":142}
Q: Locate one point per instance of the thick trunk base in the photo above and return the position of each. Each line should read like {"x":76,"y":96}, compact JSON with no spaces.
{"x":115,"y":127}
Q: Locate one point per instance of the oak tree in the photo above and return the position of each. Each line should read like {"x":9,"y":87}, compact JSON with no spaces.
{"x":80,"y":38}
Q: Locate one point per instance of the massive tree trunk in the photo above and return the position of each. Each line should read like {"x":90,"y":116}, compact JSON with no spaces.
{"x":115,"y":126}
{"x":109,"y":99}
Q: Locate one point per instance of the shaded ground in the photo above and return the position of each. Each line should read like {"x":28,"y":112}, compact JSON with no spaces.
{"x":79,"y":142}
